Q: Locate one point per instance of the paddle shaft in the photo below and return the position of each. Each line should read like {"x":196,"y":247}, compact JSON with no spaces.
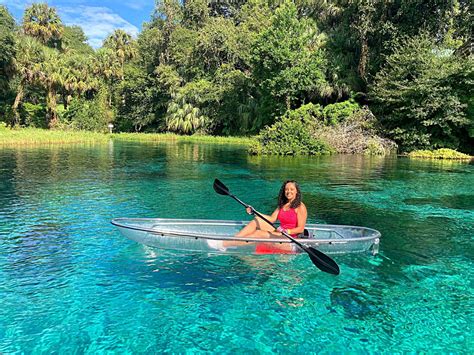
{"x":266,"y":220}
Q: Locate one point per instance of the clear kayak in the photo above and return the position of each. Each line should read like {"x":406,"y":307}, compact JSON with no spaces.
{"x":217,"y":236}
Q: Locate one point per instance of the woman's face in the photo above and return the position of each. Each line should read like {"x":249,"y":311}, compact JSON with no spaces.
{"x":290,"y":191}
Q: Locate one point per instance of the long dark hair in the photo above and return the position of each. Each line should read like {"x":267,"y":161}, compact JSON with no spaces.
{"x":282,"y":200}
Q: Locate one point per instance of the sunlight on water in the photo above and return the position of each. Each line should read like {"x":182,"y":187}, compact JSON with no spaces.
{"x":69,"y":283}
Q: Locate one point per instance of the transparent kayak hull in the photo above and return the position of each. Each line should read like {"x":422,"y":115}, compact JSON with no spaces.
{"x":197,"y":235}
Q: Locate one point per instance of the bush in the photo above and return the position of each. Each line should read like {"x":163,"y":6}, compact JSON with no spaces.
{"x":88,"y":115}
{"x":340,"y":111}
{"x":357,"y":134}
{"x":288,"y":137}
{"x":33,"y":115}
{"x":307,"y":114}
{"x":443,"y":153}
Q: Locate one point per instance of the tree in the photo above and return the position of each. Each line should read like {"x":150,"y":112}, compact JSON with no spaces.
{"x":75,"y":40}
{"x":421,"y":94}
{"x":360,"y":32}
{"x":122,"y":46}
{"x":43,"y":23}
{"x":216,"y":44}
{"x":183,"y":117}
{"x":142,"y":99}
{"x":195,"y":13}
{"x":28,"y":61}
{"x":167,"y":16}
{"x":52,"y":78}
{"x":289,"y":64}
{"x":77,"y":76}
{"x":108,"y":68}
{"x":7,"y":50}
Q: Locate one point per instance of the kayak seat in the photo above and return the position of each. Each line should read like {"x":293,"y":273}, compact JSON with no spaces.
{"x":305,"y":234}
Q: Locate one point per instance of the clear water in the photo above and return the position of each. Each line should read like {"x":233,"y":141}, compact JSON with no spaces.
{"x":69,"y":283}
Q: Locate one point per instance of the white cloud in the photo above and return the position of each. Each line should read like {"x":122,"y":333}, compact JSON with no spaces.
{"x":138,"y":5}
{"x":16,"y":4}
{"x":97,"y":22}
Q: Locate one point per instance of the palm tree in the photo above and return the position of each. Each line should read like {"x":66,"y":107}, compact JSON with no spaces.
{"x":77,"y":77}
{"x":52,"y":70}
{"x":122,"y":45}
{"x":27,"y":64}
{"x":108,"y":68}
{"x":42,"y":22}
{"x":183,"y":117}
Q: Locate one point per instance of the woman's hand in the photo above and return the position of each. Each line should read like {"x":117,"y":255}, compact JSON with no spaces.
{"x":250,"y":210}
{"x":282,"y":230}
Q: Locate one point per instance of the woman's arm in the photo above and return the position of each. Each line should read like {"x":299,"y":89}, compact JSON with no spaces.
{"x":302,"y":214}
{"x":272,"y":218}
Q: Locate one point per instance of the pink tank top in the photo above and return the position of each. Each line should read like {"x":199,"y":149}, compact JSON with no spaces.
{"x":288,"y":219}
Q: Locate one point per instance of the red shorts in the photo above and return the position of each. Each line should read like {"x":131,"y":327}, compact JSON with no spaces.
{"x":272,"y":248}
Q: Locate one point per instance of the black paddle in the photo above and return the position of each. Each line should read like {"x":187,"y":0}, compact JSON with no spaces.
{"x":321,"y":260}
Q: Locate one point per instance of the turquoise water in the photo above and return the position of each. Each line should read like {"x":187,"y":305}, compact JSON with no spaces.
{"x":69,"y":283}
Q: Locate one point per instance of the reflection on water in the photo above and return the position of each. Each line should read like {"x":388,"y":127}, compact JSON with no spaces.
{"x":70,"y":283}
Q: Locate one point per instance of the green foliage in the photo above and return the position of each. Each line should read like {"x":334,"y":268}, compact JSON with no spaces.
{"x":183,"y":117}
{"x":43,"y":23}
{"x":180,"y":51}
{"x":217,"y":44}
{"x":74,"y":39}
{"x":340,"y":111}
{"x":331,"y":114}
{"x":7,"y":51}
{"x":419,"y":95}
{"x":443,"y":153}
{"x":235,"y":106}
{"x":288,"y":137}
{"x":34,"y":115}
{"x":289,"y":63}
{"x":201,"y":66}
{"x":195,"y":13}
{"x":308,"y":114}
{"x":122,"y":46}
{"x":140,"y":100}
{"x":89,"y":115}
{"x":374,"y":147}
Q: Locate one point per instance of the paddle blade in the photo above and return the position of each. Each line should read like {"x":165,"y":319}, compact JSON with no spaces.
{"x":220,"y":188}
{"x":322,"y":261}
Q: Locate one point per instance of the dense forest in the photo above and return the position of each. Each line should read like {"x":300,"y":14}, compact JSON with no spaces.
{"x":306,"y":76}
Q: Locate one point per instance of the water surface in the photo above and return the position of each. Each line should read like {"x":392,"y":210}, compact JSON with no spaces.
{"x":70,"y":283}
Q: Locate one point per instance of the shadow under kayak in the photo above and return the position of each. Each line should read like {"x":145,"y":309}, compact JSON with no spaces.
{"x":197,"y":235}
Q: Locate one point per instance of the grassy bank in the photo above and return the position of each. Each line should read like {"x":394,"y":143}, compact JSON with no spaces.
{"x":152,"y":137}
{"x":35,"y":136}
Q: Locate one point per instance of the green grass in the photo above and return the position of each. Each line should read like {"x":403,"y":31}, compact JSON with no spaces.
{"x":443,"y":153}
{"x":152,"y":137}
{"x":36,"y":136}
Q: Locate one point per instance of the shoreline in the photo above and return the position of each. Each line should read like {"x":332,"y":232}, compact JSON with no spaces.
{"x":40,"y":137}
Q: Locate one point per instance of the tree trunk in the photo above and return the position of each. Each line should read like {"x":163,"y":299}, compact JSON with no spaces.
{"x":16,"y":103}
{"x":52,"y":115}
{"x":65,"y":100}
{"x":364,"y":57}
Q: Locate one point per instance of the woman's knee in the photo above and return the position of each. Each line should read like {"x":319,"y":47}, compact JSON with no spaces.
{"x":262,"y":225}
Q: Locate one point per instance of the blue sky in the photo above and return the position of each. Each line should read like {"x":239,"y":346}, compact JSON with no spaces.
{"x":97,"y":18}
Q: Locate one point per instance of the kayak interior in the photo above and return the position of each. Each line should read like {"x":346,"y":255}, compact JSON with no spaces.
{"x":194,"y":235}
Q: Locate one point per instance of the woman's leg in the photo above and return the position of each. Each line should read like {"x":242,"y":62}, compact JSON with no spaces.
{"x":253,"y":228}
{"x":256,"y":228}
{"x":250,"y":228}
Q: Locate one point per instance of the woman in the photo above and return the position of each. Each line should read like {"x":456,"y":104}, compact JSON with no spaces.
{"x":291,"y":213}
